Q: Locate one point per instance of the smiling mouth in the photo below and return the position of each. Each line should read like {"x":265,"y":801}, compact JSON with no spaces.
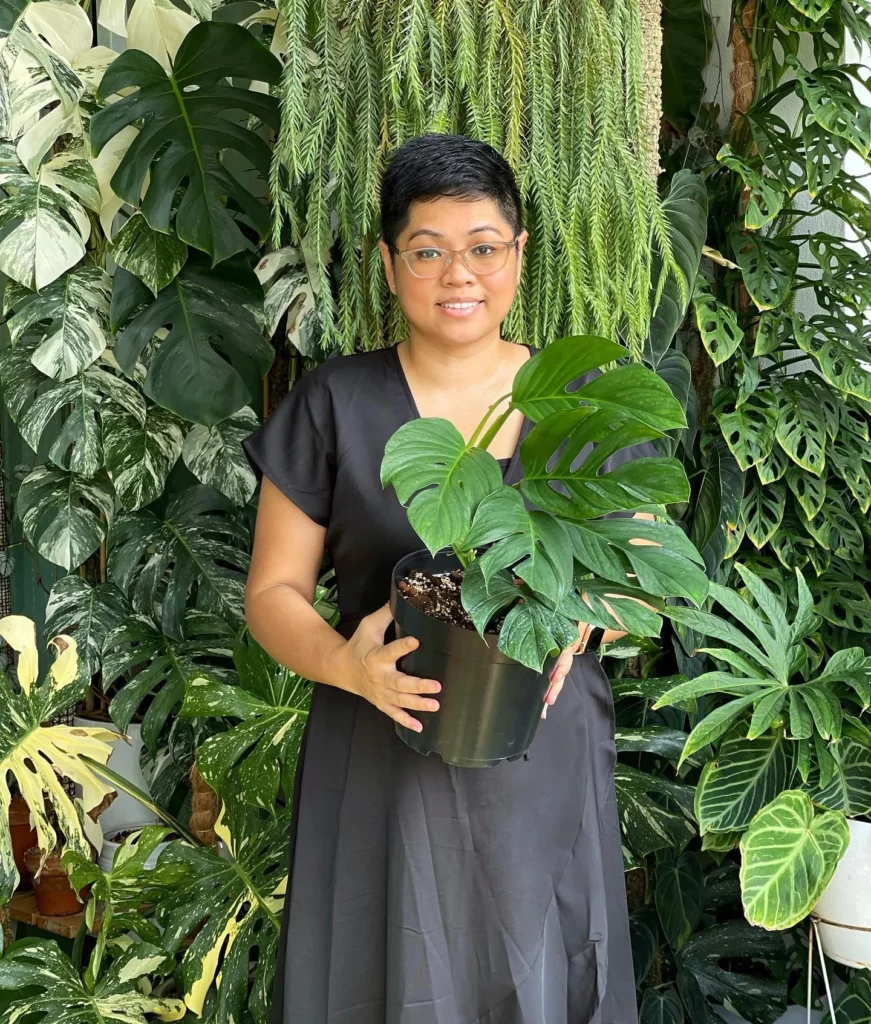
{"x":460,"y":308}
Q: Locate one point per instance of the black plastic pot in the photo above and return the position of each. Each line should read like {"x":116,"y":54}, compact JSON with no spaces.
{"x":489,"y":704}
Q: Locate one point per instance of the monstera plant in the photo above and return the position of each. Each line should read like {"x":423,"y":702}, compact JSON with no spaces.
{"x":37,"y":756}
{"x":793,"y":751}
{"x":561,"y":560}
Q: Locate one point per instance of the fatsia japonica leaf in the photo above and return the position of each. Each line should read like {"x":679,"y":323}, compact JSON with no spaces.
{"x":71,"y":316}
{"x":788,"y":856}
{"x":251,"y":759}
{"x":53,"y":990}
{"x":439,"y":479}
{"x":64,"y":515}
{"x":163,"y":666}
{"x":140,"y":454}
{"x":215,"y":455}
{"x":186,"y":132}
{"x":155,"y":257}
{"x":88,"y":613}
{"x":214,"y":346}
{"x":37,"y":755}
{"x":233,"y":907}
{"x":195,"y":552}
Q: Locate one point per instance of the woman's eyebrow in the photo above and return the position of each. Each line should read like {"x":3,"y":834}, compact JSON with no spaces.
{"x":437,"y":234}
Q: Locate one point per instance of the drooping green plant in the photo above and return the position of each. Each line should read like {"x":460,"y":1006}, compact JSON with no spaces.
{"x":574,"y":565}
{"x":557,"y":87}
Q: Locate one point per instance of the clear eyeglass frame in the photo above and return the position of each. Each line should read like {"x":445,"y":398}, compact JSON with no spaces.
{"x":439,"y":266}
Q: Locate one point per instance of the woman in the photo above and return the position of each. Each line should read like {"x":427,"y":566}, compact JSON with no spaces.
{"x":422,"y":893}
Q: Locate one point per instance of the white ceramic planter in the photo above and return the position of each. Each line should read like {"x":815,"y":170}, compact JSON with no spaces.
{"x":107,"y":854}
{"x":124,"y":811}
{"x":844,"y":909}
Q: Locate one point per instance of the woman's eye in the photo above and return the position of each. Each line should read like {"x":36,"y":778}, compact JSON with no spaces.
{"x":484,"y":250}
{"x":426,"y":255}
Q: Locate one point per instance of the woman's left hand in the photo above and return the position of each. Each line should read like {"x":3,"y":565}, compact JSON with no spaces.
{"x":561,"y":669}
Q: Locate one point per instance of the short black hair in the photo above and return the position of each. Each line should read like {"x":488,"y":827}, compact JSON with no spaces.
{"x":456,"y":166}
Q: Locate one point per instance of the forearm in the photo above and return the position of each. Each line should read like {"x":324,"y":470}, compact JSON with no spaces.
{"x":288,"y":628}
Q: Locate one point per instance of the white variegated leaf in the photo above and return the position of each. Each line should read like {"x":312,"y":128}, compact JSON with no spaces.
{"x":72,"y":315}
{"x":105,"y":166}
{"x":153,"y":256}
{"x":215,"y":455}
{"x":285,"y":279}
{"x":158,"y":27}
{"x":64,"y":515}
{"x":86,"y":613}
{"x":139,"y":455}
{"x":70,"y":173}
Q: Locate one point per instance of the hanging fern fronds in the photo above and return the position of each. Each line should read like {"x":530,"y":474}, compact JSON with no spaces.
{"x":560,"y":87}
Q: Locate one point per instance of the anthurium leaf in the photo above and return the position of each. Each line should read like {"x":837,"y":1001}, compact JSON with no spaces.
{"x":661,"y":1007}
{"x":830,"y":97}
{"x":589,"y":493}
{"x":155,"y":257}
{"x":718,"y":326}
{"x":215,"y":457}
{"x":849,"y":789}
{"x":756,"y":996}
{"x":541,"y":384}
{"x":748,"y":429}
{"x":88,"y":613}
{"x":801,"y":429}
{"x":139,"y":456}
{"x":71,"y":316}
{"x":655,"y":813}
{"x":439,"y":478}
{"x":185,"y":132}
{"x":64,"y":514}
{"x":680,"y":897}
{"x":762,"y":510}
{"x":249,"y":760}
{"x":746,"y":775}
{"x":768,"y":267}
{"x":207,"y":312}
{"x":54,"y":991}
{"x":197,"y":547}
{"x":161,"y":662}
{"x":788,"y":857}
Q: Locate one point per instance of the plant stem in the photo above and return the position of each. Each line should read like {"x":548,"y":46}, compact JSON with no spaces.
{"x":466,"y":557}
{"x":494,"y":429}
{"x":473,"y":440}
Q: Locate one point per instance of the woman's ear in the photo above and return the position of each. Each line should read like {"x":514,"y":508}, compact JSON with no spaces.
{"x":521,"y":242}
{"x":387,"y":260}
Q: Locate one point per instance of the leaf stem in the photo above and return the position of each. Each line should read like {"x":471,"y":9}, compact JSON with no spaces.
{"x":473,"y":440}
{"x":494,"y":428}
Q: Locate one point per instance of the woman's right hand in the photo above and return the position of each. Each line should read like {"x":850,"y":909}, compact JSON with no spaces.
{"x":369,"y":669}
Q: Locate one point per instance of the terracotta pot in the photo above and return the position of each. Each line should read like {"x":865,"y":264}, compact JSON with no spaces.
{"x":23,"y":836}
{"x":55,"y":896}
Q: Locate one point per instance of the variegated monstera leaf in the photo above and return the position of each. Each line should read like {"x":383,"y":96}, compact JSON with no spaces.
{"x":37,"y":755}
{"x":54,"y":992}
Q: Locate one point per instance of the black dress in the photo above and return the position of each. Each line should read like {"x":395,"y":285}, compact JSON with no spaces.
{"x":421,"y":893}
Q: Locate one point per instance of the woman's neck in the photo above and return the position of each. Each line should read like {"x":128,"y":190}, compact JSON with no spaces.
{"x":451,"y":366}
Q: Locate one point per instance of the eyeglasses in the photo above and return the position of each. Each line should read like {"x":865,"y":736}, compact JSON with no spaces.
{"x":482,"y":258}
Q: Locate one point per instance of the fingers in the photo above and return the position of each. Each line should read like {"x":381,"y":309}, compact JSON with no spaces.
{"x":397,"y":648}
{"x":379,"y":620}
{"x":412,"y":701}
{"x":398,"y":715}
{"x":413,"y":684}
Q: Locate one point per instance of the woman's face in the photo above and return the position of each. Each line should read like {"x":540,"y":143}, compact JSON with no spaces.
{"x":431,"y":304}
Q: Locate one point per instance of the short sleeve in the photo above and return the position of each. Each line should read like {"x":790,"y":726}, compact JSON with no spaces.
{"x":296,"y":447}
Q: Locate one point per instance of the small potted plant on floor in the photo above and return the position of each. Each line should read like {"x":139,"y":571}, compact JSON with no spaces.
{"x":509,"y":571}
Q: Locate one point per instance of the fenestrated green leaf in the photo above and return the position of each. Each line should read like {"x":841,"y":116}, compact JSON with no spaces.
{"x":88,"y":613}
{"x":93,"y":393}
{"x":765,"y":195}
{"x":718,"y":326}
{"x":535,"y":545}
{"x":205,"y":311}
{"x":801,"y":429}
{"x":781,"y":152}
{"x":680,"y":896}
{"x":233,"y":907}
{"x":72,"y":316}
{"x":64,"y":514}
{"x":773,"y":468}
{"x":155,"y":257}
{"x":709,"y":959}
{"x":847,"y":455}
{"x":197,"y":549}
{"x":52,"y":990}
{"x":762,"y":510}
{"x":541,"y":384}
{"x":809,"y":490}
{"x":849,"y":789}
{"x":788,"y":857}
{"x":661,"y":1007}
{"x":248,"y":761}
{"x":844,"y":602}
{"x":835,"y":529}
{"x":186,"y":131}
{"x":745,"y":776}
{"x":640,"y":484}
{"x":163,"y":664}
{"x":768,"y":266}
{"x":648,"y":824}
{"x":833,"y":102}
{"x":748,"y":428}
{"x":439,"y":478}
{"x":215,"y":456}
{"x":139,"y":455}
{"x":772,"y":333}
{"x":824,"y":155}
{"x":615,"y":606}
{"x":841,"y":352}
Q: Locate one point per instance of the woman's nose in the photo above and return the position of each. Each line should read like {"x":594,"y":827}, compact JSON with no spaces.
{"x":457,"y":272}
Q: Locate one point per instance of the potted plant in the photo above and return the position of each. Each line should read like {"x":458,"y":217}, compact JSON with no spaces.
{"x":37,"y":756}
{"x":508,"y":571}
{"x":790,"y":778}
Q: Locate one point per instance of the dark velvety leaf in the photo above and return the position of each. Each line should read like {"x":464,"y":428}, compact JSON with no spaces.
{"x":661,"y":1007}
{"x":680,"y":897}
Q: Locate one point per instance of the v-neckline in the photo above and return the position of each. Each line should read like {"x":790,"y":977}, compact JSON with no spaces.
{"x":415,"y":412}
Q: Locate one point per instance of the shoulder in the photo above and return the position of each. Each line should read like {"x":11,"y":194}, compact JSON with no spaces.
{"x":340,"y":376}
